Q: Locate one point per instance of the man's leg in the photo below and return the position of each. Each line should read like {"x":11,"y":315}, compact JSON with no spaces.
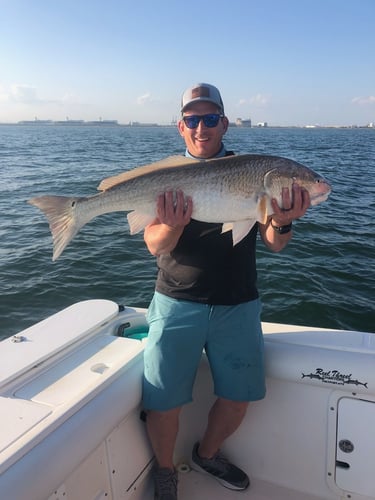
{"x":223,"y":420}
{"x":162,"y":428}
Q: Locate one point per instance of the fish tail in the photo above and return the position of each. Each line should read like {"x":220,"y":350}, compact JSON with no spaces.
{"x":63,"y":222}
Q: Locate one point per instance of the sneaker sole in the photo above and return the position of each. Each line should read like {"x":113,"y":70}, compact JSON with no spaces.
{"x":224,"y":483}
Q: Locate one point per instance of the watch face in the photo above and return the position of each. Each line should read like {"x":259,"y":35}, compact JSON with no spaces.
{"x":282,"y":229}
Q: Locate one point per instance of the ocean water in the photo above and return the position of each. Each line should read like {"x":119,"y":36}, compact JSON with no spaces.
{"x":325,"y":277}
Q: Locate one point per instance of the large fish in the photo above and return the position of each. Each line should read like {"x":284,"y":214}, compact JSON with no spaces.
{"x":234,"y":190}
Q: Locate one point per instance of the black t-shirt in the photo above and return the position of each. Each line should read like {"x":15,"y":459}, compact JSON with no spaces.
{"x":205,"y":267}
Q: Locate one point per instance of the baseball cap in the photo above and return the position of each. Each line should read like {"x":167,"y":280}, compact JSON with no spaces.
{"x":202,"y":92}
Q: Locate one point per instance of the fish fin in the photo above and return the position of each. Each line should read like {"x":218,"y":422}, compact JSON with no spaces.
{"x":170,"y":162}
{"x":262,"y":209}
{"x":239,"y":229}
{"x":227,"y":226}
{"x":138,"y":221}
{"x":60,"y":212}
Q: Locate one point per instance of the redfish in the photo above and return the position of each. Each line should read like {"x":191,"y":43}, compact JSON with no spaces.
{"x":235,"y":191}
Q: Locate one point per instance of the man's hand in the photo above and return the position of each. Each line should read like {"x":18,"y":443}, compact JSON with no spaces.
{"x":174,"y":209}
{"x":294,"y":205}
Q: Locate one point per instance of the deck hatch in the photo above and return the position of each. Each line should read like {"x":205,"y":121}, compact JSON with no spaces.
{"x":355,"y":446}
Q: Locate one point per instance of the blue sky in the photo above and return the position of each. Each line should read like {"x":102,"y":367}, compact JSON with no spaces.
{"x":287,"y":62}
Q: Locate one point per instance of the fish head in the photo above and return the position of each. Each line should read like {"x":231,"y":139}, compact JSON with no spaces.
{"x":290,"y":172}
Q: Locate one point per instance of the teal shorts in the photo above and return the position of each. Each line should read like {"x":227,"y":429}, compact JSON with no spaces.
{"x":179,"y":332}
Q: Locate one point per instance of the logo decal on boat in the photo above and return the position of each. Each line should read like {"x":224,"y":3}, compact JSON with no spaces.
{"x":333,"y":377}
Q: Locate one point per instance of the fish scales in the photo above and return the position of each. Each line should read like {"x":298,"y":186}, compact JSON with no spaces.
{"x":235,"y":191}
{"x":209,"y":188}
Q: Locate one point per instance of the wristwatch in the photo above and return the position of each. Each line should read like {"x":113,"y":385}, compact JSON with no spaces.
{"x":282,"y":229}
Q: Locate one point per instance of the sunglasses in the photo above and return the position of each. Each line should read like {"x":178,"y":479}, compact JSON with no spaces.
{"x":211,"y":120}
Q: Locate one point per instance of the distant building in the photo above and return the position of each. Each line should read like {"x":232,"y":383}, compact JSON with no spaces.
{"x":243,"y":123}
{"x":102,"y":122}
{"x":140,"y":124}
{"x":69,"y":122}
{"x":262,"y":124}
{"x":35,"y":122}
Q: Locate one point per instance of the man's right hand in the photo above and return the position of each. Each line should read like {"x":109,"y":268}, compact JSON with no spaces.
{"x":174,"y":211}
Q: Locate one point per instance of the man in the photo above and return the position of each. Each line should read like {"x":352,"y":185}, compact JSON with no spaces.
{"x":205,"y":297}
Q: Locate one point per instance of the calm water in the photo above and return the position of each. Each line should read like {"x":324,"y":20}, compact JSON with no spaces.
{"x":325,"y":277}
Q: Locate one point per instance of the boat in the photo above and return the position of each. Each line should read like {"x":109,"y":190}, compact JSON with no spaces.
{"x":72,"y":425}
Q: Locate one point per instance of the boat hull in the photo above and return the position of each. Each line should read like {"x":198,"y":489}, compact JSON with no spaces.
{"x":70,"y":391}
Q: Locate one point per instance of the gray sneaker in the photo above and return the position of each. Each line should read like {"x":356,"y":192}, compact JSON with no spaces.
{"x":221,"y":469}
{"x":165,"y":484}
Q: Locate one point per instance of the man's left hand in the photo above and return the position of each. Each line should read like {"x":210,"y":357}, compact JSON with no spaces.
{"x":294,"y":205}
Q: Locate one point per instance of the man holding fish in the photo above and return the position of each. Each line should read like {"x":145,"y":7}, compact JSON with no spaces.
{"x":206,"y":298}
{"x":201,"y":214}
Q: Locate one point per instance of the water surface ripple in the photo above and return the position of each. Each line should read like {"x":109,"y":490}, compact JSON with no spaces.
{"x":325,"y":277}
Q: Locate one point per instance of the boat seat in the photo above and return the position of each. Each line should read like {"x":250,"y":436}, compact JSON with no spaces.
{"x":48,"y":337}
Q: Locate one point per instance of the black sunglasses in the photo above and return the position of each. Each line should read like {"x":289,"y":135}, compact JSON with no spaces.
{"x":211,"y":120}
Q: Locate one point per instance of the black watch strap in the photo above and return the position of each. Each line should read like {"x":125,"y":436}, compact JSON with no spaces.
{"x":282,"y":229}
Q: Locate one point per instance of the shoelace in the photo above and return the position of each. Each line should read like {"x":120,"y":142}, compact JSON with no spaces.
{"x":167,"y":483}
{"x":218,"y":461}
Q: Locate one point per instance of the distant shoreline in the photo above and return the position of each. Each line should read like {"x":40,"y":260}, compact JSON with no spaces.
{"x":114,"y":123}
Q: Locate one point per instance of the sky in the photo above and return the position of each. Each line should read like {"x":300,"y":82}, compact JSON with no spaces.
{"x":284,"y":62}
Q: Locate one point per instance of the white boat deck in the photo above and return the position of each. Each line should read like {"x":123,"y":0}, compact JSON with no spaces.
{"x":70,"y":392}
{"x":196,"y":486}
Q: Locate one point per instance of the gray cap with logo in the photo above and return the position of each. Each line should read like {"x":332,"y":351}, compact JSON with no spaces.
{"x":202,"y":92}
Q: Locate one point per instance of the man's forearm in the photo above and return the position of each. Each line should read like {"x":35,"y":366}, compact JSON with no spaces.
{"x":161,"y":238}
